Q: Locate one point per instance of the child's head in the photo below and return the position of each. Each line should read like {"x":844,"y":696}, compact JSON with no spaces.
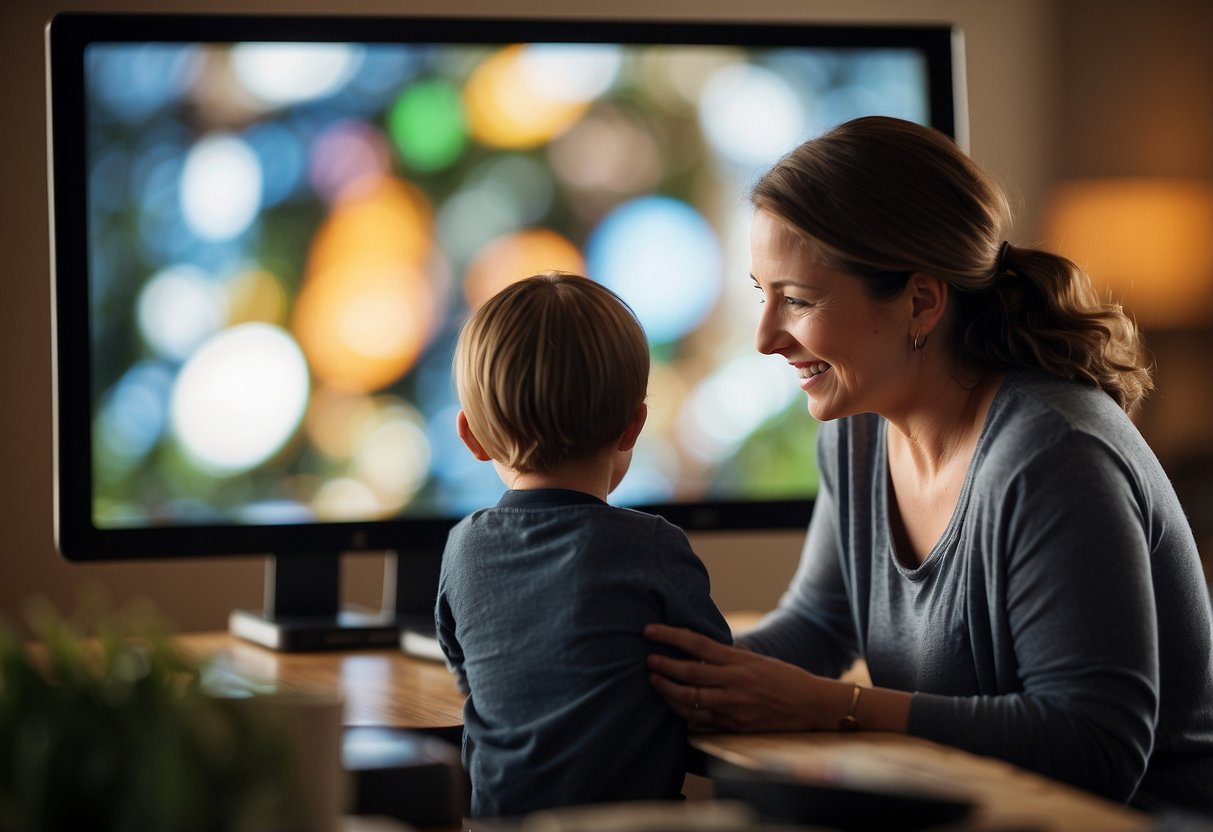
{"x":552,"y":368}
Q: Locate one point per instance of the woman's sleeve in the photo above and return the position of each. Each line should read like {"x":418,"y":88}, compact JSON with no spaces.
{"x":1079,"y":612}
{"x":814,"y":625}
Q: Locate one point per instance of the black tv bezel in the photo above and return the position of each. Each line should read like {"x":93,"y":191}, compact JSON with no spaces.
{"x":68,"y":34}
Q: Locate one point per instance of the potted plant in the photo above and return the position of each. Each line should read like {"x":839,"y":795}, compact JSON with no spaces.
{"x":105,"y":724}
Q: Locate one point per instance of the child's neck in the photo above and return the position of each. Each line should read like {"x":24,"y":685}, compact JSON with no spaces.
{"x":589,"y":476}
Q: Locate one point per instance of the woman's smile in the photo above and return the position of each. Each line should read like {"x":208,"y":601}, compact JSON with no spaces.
{"x":810,"y":372}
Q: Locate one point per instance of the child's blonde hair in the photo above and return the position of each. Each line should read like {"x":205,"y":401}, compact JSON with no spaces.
{"x":553,"y":367}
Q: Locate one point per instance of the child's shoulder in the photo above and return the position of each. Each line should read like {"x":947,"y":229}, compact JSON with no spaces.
{"x":611,"y":528}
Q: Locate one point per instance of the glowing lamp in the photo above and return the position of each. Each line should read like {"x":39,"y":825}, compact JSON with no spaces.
{"x":1148,"y":242}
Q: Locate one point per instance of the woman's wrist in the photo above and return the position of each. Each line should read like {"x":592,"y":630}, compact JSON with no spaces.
{"x":852,"y":707}
{"x":850,"y":720}
{"x":833,"y":702}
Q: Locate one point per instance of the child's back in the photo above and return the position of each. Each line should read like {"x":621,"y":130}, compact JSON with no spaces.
{"x":543,"y":601}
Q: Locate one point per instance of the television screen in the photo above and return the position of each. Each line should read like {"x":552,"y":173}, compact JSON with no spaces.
{"x":268,"y":231}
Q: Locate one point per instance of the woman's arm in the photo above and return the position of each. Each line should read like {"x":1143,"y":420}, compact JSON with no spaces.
{"x":814,"y":625}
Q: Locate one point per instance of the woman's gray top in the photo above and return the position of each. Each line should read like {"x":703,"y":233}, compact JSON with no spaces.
{"x":1061,"y":622}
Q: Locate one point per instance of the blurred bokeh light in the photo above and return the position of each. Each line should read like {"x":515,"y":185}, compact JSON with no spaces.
{"x":427,"y":125}
{"x":239,"y":398}
{"x":662,"y":257}
{"x":286,"y":73}
{"x":750,"y":115}
{"x":221,"y":187}
{"x":366,"y":307}
{"x":512,"y":257}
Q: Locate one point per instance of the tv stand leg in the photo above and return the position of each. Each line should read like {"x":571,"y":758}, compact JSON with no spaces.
{"x":303,"y":611}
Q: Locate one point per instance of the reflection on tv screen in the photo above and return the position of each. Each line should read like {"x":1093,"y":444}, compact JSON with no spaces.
{"x":286,"y":238}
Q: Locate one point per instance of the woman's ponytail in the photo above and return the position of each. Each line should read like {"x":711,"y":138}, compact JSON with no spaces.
{"x":1042,"y":311}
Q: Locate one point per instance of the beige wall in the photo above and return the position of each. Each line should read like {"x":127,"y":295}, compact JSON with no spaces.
{"x":1013,"y":59}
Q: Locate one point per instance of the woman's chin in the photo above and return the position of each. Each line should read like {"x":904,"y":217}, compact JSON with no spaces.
{"x":824,"y":410}
{"x":817,"y":409}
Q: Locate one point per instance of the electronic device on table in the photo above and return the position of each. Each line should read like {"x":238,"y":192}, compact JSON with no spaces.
{"x":267,"y":231}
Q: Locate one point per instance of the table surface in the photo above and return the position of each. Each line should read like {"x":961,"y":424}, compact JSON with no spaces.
{"x":387,"y":688}
{"x":379,"y":686}
{"x":1005,"y":797}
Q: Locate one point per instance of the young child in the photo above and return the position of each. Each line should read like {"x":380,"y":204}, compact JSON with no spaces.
{"x":544,"y":597}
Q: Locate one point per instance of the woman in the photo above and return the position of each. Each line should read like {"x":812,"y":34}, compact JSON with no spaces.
{"x":992,"y":535}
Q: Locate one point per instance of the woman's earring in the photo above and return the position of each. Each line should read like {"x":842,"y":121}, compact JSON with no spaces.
{"x":918,"y":345}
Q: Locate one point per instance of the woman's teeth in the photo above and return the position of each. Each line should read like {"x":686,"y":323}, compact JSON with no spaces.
{"x":816,"y":368}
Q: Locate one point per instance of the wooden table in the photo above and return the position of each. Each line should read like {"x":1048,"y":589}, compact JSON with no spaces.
{"x":385,"y":687}
{"x":1005,"y":797}
{"x":379,"y":686}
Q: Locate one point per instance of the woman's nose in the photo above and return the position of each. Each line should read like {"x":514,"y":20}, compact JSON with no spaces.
{"x":770,"y":335}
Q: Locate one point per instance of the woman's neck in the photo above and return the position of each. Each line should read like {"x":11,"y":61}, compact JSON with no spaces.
{"x":943,"y":422}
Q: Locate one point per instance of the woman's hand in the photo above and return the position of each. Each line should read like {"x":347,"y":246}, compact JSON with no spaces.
{"x":734,"y":689}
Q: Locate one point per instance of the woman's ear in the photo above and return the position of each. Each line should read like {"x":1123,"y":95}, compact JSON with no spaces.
{"x":628,"y":440}
{"x":469,"y":439}
{"x":928,"y":301}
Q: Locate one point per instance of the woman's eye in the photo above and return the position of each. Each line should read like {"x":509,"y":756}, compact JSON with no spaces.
{"x":788,"y":300}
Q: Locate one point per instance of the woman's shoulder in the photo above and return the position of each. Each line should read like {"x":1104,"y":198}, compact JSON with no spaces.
{"x":1039,"y":419}
{"x":1044,"y":405}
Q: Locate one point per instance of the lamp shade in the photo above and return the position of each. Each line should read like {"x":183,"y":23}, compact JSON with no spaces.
{"x":1148,"y":242}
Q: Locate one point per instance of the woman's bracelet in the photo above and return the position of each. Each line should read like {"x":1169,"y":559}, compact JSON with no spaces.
{"x":850,"y":722}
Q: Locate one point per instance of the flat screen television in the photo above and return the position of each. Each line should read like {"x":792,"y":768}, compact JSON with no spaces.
{"x":267,"y":230}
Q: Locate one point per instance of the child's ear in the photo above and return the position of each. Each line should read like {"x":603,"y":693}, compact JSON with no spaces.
{"x":468,"y":438}
{"x":628,"y":440}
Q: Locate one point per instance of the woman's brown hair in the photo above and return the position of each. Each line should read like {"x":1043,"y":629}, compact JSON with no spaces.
{"x":883,"y":198}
